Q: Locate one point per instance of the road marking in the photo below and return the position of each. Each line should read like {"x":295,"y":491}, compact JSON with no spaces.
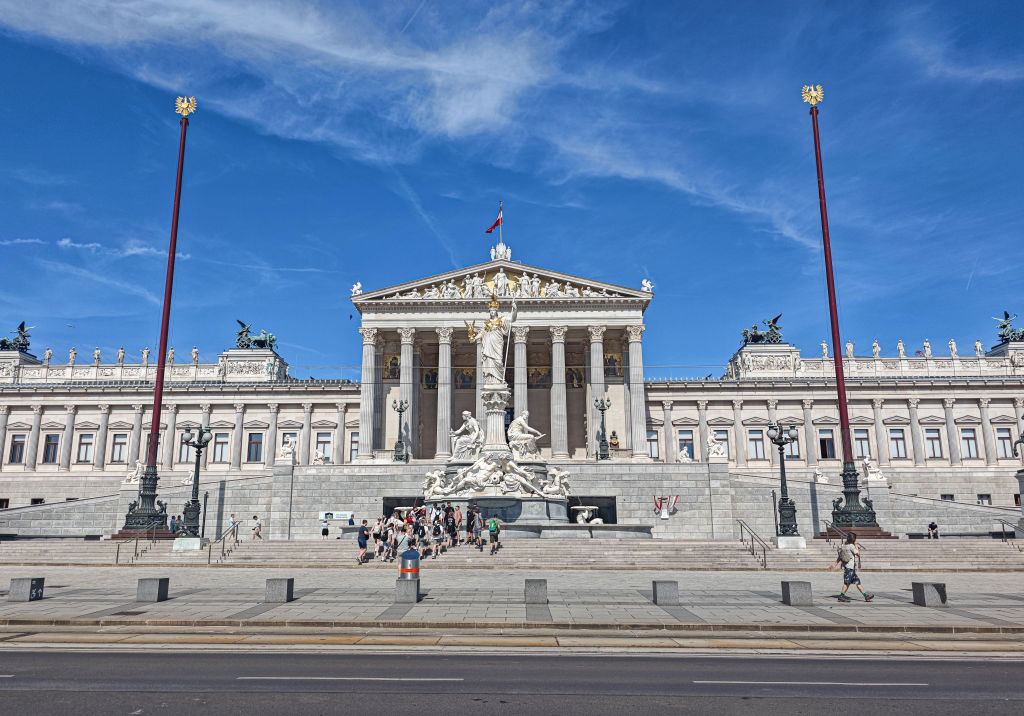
{"x":337,"y":678}
{"x":6,"y":676}
{"x":811,"y":683}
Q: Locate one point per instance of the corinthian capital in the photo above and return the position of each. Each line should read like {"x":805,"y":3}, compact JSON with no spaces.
{"x":4,"y":409}
{"x":444,"y":334}
{"x":913,"y":402}
{"x":369,"y":335}
{"x":520,"y":333}
{"x":408,"y":335}
{"x":949,"y":402}
{"x":596,"y":333}
{"x":635,"y":333}
{"x":558,"y":333}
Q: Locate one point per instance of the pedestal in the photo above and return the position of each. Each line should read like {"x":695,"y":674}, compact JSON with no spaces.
{"x":187,"y":544}
{"x":790,"y":542}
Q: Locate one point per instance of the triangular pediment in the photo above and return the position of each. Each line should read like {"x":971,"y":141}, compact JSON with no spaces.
{"x":791,"y":420}
{"x":932,"y":420}
{"x":86,"y":426}
{"x":720,"y":421}
{"x":685,"y":422}
{"x":896,"y":420}
{"x":967,"y":420}
{"x":120,"y":425}
{"x":1004,"y":420}
{"x":861,"y":420}
{"x":452,"y":285}
{"x":825,"y":420}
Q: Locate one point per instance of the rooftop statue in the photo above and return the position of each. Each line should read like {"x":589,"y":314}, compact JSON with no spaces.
{"x":19,"y":342}
{"x":1006,"y":331}
{"x":772,"y":335}
{"x":245,"y":339}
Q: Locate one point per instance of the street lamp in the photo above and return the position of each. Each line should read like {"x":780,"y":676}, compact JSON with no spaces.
{"x":603,"y":404}
{"x":401,"y":453}
{"x":192,"y":507}
{"x":787,"y":508}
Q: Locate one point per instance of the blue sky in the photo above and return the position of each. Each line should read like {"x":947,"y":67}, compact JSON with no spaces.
{"x":338,"y":142}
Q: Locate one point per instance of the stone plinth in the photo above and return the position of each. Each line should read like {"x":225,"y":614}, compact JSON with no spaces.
{"x":790,"y":542}
{"x":929,"y":594}
{"x":407,"y":591}
{"x":280,"y":590}
{"x":797,"y":594}
{"x":187,"y":544}
{"x":536,"y":591}
{"x":665,"y":593}
{"x":26,"y":589}
{"x":152,"y":589}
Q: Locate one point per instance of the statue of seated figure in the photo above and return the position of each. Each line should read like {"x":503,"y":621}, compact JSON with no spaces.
{"x":522,"y":439}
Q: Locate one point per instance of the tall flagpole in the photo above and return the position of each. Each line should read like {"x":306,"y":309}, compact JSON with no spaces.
{"x":501,"y":216}
{"x":853,"y":512}
{"x":145,"y":513}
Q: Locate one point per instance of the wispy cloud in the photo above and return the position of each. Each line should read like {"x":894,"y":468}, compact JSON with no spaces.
{"x":17,"y":242}
{"x":67,"y":243}
{"x":404,"y":190}
{"x":67,"y":207}
{"x":131,"y":289}
{"x":132,"y":248}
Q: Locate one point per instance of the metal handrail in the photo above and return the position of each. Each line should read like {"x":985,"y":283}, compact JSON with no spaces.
{"x":231,"y":533}
{"x":1003,"y":524}
{"x":150,"y":528}
{"x":745,"y":528}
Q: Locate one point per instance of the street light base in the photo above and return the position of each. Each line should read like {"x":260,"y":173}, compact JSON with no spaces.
{"x":790,"y":542}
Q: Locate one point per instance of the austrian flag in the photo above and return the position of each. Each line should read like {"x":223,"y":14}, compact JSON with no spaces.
{"x":497,"y":222}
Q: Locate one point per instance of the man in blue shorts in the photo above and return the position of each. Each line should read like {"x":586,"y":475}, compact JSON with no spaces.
{"x":363,"y":536}
{"x":847,"y":556}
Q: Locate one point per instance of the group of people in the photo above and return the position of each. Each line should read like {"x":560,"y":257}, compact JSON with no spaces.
{"x":434,"y":528}
{"x":176,"y":524}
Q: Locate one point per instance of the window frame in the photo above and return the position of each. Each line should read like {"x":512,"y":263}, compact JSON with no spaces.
{"x":220,"y":449}
{"x":933,"y":444}
{"x":20,"y":445}
{"x":51,"y":449}
{"x":652,"y":445}
{"x":1004,"y":443}
{"x":826,"y":444}
{"x":119,"y":446}
{"x":793,"y":449}
{"x":984,"y":498}
{"x":89,"y":446}
{"x":861,"y":443}
{"x":969,"y":444}
{"x":685,"y":442}
{"x":722,"y":436}
{"x":947,"y":497}
{"x":897,"y":444}
{"x":755,"y":444}
{"x":327,"y":441}
{"x":254,"y":445}
{"x":353,"y":445}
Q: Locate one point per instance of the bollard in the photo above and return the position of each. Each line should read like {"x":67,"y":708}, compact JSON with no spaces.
{"x":666,"y":593}
{"x":280,"y":590}
{"x":929,"y":594}
{"x":26,"y":589}
{"x":152,"y":589}
{"x":797,"y":594}
{"x":536,"y":591}
{"x":407,"y":586}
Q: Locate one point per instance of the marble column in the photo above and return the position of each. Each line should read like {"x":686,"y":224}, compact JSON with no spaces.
{"x":68,"y":438}
{"x":637,"y":396}
{"x":169,"y":443}
{"x":4,"y":411}
{"x":701,"y":452}
{"x":597,"y":389}
{"x":519,"y":379}
{"x":988,"y":438}
{"x":771,"y":452}
{"x":1018,"y":410}
{"x":377,"y":433}
{"x":237,"y":436}
{"x":100,"y":455}
{"x":478,"y":376}
{"x":367,"y":394}
{"x":204,"y":420}
{"x":915,"y":431}
{"x":626,"y":441}
{"x":810,"y":449}
{"x":443,"y":441}
{"x":881,"y":444}
{"x":135,"y":441}
{"x":270,"y":448}
{"x":669,"y":453}
{"x":406,"y":383}
{"x":559,"y":414}
{"x":338,"y":444}
{"x":951,"y":432}
{"x":739,"y":450}
{"x":307,"y":419}
{"x":32,"y":449}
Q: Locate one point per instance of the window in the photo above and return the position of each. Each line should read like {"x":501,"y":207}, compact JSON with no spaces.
{"x":861,"y":443}
{"x":793,"y":450}
{"x":37,"y":501}
{"x":220,"y":447}
{"x":186,"y":453}
{"x":1004,"y":439}
{"x":755,"y":444}
{"x":119,"y":448}
{"x":1016,"y":501}
{"x":50,"y":449}
{"x":17,"y":453}
{"x":686,"y":442}
{"x":323,"y":444}
{"x":933,"y":442}
{"x":946,"y":498}
{"x":353,"y":447}
{"x":254,"y":451}
{"x":984,"y":499}
{"x":84,"y":448}
{"x":968,"y":443}
{"x":897,"y":443}
{"x":5,"y":502}
{"x":826,"y":444}
{"x":652,"y":444}
{"x":722,"y":436}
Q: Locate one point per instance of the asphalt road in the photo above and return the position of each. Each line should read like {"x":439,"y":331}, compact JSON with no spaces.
{"x":55,"y":682}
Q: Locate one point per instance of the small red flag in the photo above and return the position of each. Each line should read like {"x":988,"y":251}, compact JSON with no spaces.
{"x":497,"y":222}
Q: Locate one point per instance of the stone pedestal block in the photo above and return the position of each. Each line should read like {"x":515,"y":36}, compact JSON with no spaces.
{"x":536,"y":591}
{"x":407,"y":591}
{"x":152,"y":589}
{"x":797,"y":594}
{"x":929,"y":594}
{"x":790,"y":542}
{"x":25,"y":589}
{"x":280,"y":590}
{"x":666,"y":593}
{"x":187,"y":544}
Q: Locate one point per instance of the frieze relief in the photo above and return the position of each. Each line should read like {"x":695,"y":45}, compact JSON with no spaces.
{"x":245,"y":367}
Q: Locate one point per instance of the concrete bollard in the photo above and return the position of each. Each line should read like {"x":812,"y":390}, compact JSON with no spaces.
{"x":152,"y":589}
{"x":26,"y":589}
{"x":280,"y":590}
{"x":407,"y":591}
{"x":797,"y":594}
{"x":536,"y":591}
{"x":929,"y":594}
{"x":666,"y":593}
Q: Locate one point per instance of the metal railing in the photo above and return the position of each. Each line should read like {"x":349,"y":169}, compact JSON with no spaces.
{"x":229,"y":537}
{"x":829,"y":526}
{"x":754,"y":543}
{"x":1003,"y":524}
{"x":149,"y":532}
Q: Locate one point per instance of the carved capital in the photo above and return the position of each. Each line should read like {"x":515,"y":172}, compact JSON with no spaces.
{"x":520,"y":333}
{"x":913,"y":402}
{"x":172,"y":409}
{"x":273,"y":407}
{"x":1018,"y":402}
{"x":408,"y":335}
{"x":877,"y":403}
{"x":635,"y":333}
{"x":444,"y":334}
{"x":666,"y":404}
{"x":138,"y":408}
{"x":369,"y":335}
{"x":205,"y":407}
{"x":596,"y":333}
{"x":307,"y":407}
{"x":772,"y":404}
{"x":807,"y":403}
{"x":105,"y":409}
{"x":702,"y":405}
{"x":983,"y":402}
{"x":4,"y":409}
{"x":37,"y":409}
{"x":949,"y":402}
{"x":239,"y":407}
{"x":558,"y":333}
{"x":737,"y":404}
{"x":70,"y":409}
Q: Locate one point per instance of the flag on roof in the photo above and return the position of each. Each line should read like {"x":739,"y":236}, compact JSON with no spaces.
{"x":497,"y":222}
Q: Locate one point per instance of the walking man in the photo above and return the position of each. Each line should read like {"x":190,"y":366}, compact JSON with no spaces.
{"x":363,"y":537}
{"x":257,"y":527}
{"x":478,"y":528}
{"x":493,"y":530}
{"x":848,"y":555}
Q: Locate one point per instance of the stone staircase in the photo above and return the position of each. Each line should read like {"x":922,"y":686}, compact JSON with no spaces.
{"x":890,"y":555}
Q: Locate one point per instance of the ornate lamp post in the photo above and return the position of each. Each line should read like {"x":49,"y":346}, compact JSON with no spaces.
{"x":603,"y":404}
{"x":401,"y":453}
{"x":852,"y":513}
{"x":787,"y":508}
{"x":192,"y":507}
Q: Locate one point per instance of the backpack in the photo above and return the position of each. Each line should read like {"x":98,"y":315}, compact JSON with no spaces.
{"x":437,"y":529}
{"x":493,"y":526}
{"x":847,"y":555}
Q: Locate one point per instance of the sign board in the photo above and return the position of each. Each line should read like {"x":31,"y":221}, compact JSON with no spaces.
{"x":336,"y":515}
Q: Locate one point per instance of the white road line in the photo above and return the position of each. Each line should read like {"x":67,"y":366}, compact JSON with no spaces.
{"x":811,"y":683}
{"x":336,"y":678}
{"x":6,"y":676}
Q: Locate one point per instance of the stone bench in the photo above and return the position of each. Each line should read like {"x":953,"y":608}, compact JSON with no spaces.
{"x":152,"y":589}
{"x":797,"y":594}
{"x":665,"y":593}
{"x":280,"y":590}
{"x":929,"y":594}
{"x":536,"y":591}
{"x":26,"y":589}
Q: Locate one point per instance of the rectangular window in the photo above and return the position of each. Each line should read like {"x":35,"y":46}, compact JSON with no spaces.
{"x":652,"y":444}
{"x":353,"y":447}
{"x":17,"y":454}
{"x":37,"y":501}
{"x":254,"y":451}
{"x":119,"y":448}
{"x":1016,"y":500}
{"x":933,"y":442}
{"x":84,"y":448}
{"x":946,"y":498}
{"x":755,"y":444}
{"x":826,"y":444}
{"x":897,"y":443}
{"x":984,"y":499}
{"x":50,"y":449}
{"x":722,"y":436}
{"x":793,"y":450}
{"x":323,"y":444}
{"x":861,"y":443}
{"x":1004,"y":441}
{"x":220,"y":447}
{"x":968,"y":443}
{"x":5,"y":502}
{"x":186,"y":453}
{"x":686,"y":442}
